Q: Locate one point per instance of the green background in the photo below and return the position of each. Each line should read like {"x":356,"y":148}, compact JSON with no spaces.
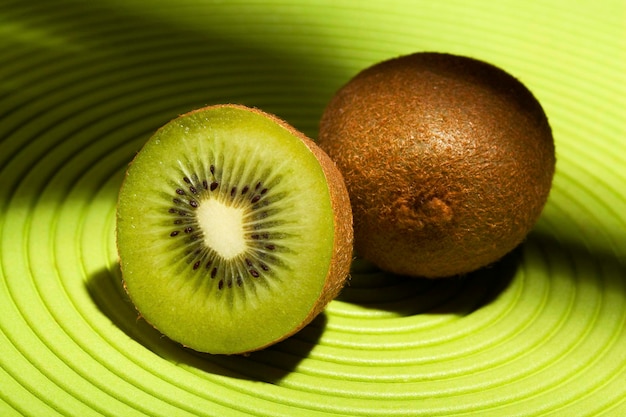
{"x":84,"y":84}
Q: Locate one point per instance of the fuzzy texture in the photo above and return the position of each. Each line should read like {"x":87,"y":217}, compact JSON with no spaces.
{"x":448,"y":161}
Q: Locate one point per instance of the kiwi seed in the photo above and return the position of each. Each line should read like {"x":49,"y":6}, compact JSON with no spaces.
{"x":234,"y":230}
{"x":448,"y":161}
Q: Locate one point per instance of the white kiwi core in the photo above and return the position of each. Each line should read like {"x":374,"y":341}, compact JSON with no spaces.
{"x":222,"y":227}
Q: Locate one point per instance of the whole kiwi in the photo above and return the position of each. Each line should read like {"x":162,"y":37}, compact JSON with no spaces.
{"x":448,"y":161}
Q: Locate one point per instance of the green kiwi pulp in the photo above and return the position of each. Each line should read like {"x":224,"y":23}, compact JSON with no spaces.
{"x":234,"y":230}
{"x":448,"y":161}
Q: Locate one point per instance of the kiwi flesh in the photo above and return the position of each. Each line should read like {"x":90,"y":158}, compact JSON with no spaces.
{"x":448,"y":160}
{"x":234,"y":230}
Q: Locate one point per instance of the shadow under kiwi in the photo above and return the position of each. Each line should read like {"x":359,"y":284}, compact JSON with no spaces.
{"x":597,"y":259}
{"x":269,"y":365}
{"x":375,"y":289}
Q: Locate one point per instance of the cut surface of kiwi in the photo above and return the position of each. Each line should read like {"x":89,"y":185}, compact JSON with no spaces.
{"x":234,"y":230}
{"x":448,"y":160}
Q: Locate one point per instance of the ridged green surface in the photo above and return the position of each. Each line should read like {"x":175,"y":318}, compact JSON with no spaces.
{"x":83,"y":85}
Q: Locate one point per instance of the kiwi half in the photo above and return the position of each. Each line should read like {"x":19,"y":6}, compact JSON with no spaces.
{"x":448,"y":160}
{"x":234,"y":230}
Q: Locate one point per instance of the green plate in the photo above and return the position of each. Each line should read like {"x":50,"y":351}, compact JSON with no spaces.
{"x":84,"y":84}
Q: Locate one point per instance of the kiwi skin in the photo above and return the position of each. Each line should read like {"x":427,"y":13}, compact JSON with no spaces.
{"x":339,"y":266}
{"x":448,"y":160}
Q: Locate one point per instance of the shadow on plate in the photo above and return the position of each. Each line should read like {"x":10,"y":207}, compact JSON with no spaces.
{"x":372,"y":288}
{"x":96,"y":78}
{"x":596,"y":261}
{"x":269,"y":365}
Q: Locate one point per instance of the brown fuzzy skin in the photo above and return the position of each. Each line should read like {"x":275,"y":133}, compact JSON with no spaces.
{"x":448,"y":161}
